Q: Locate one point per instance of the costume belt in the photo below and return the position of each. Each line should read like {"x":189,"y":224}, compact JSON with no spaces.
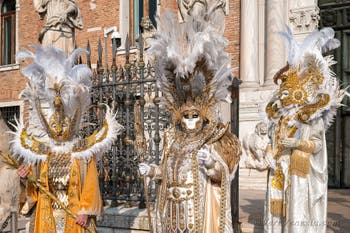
{"x":178,"y":193}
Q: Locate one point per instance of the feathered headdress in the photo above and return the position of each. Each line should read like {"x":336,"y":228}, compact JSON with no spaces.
{"x":307,"y":82}
{"x":54,"y":79}
{"x":194,"y":67}
{"x":58,"y":94}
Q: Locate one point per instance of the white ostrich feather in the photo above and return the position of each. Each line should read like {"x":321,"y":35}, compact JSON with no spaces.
{"x":52,"y":66}
{"x":320,"y":41}
{"x":183,"y":51}
{"x":31,"y":157}
{"x":28,"y":156}
{"x":97,"y":150}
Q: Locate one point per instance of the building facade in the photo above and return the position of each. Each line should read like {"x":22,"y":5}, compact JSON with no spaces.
{"x":21,"y":25}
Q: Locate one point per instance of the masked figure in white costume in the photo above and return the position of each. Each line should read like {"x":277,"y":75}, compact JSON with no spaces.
{"x":299,"y":113}
{"x":200,"y":155}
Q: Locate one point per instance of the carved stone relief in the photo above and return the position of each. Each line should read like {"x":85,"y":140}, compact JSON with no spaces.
{"x":254,"y":144}
{"x":304,"y":20}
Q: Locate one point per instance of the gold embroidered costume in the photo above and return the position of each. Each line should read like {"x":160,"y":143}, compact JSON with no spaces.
{"x":200,"y":155}
{"x":62,"y":162}
{"x":299,"y":113}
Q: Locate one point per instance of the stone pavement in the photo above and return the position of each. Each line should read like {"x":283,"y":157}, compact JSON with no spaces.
{"x":252,"y":210}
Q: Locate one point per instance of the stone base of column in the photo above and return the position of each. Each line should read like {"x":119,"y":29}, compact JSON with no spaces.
{"x":269,"y":85}
{"x":249,"y":85}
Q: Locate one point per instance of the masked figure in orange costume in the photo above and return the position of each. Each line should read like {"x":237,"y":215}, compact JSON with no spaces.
{"x":64,"y":163}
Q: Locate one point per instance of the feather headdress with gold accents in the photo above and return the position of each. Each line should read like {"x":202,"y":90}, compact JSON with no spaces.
{"x":58,"y":94}
{"x":307,"y":84}
{"x":194,"y":67}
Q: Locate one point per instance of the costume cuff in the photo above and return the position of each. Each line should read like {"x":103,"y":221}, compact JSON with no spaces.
{"x":154,"y":172}
{"x":215,"y":172}
{"x":306,"y":146}
{"x":90,"y":212}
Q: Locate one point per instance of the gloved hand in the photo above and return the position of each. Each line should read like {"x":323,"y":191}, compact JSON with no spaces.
{"x":204,"y":156}
{"x":270,"y":161}
{"x":290,"y":142}
{"x":144,"y":169}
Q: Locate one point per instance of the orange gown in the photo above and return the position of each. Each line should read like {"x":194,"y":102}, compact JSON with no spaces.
{"x":83,"y":198}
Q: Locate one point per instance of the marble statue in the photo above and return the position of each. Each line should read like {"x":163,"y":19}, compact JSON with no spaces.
{"x":62,"y":18}
{"x":215,"y":11}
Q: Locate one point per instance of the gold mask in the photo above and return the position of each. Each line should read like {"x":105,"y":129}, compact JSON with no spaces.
{"x":292,"y":89}
{"x":59,"y":124}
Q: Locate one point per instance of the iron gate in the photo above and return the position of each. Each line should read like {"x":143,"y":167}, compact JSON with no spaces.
{"x":131,"y":89}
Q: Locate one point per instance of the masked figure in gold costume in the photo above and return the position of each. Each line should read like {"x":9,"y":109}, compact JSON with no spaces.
{"x":299,"y":113}
{"x":63,"y":162}
{"x":200,"y":155}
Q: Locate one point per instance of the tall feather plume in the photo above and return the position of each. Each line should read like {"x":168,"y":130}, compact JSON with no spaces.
{"x":192,"y":60}
{"x":51,"y":66}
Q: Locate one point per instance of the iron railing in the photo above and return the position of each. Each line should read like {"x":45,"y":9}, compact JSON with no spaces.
{"x":131,"y":89}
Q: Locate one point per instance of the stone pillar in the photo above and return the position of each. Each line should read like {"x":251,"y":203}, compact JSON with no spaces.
{"x":261,"y":22}
{"x":249,"y":70}
{"x":275,"y":55}
{"x":124,"y":20}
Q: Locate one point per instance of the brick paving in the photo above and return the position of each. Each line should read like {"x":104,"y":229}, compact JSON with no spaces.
{"x":252,"y":210}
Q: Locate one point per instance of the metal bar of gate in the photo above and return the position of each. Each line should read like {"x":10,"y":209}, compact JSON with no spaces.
{"x":14,"y":222}
{"x":235,"y":129}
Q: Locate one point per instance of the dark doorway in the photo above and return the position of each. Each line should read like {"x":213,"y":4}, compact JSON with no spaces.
{"x":336,"y":14}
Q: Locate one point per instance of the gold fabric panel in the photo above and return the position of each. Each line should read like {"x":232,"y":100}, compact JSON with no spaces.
{"x":277,"y":207}
{"x":300,"y":163}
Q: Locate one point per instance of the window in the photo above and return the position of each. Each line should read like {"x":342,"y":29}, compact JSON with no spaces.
{"x":153,"y":12}
{"x":9,"y":113}
{"x":138,"y":13}
{"x":8,"y":29}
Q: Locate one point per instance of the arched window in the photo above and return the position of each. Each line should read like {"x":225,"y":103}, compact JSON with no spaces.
{"x":8,"y":32}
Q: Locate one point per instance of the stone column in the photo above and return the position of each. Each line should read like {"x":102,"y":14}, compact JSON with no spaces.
{"x":261,"y":25}
{"x":249,"y":70}
{"x":276,"y":18}
{"x":124,"y":20}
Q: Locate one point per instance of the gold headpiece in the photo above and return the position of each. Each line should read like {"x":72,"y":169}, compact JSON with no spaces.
{"x":59,"y":123}
{"x":293,"y":89}
{"x":308,"y":85}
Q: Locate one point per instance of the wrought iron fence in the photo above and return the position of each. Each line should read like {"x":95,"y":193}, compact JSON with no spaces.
{"x":131,"y":89}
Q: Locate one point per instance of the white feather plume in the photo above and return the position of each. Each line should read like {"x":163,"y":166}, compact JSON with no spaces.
{"x":52,"y":66}
{"x":179,"y":49}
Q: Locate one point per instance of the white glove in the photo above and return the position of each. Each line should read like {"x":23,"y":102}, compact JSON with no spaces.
{"x":204,"y":156}
{"x":271,"y":162}
{"x":290,"y":142}
{"x":144,"y":169}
